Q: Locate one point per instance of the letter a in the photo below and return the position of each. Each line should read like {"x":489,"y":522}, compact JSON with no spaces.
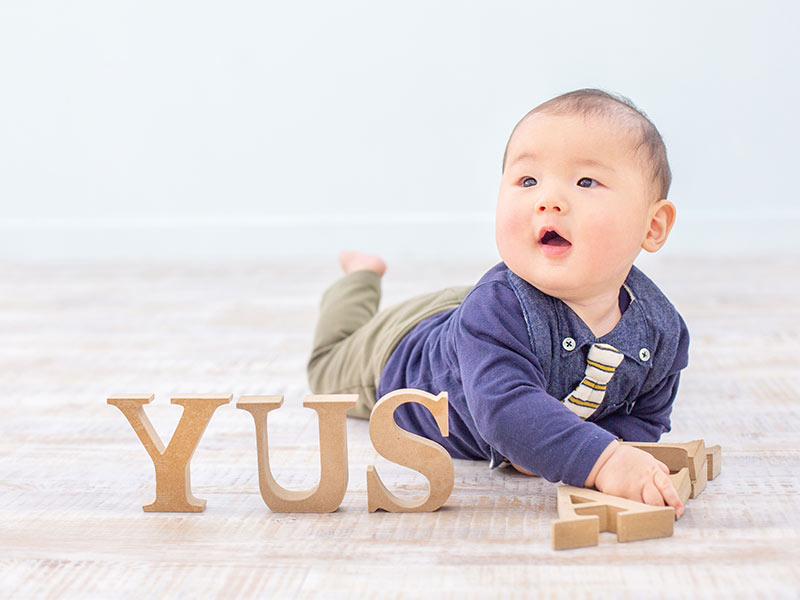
{"x":327,"y":495}
{"x":173,"y":485}
{"x":410,"y":450}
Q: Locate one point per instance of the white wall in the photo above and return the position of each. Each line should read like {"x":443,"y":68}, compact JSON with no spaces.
{"x":251,"y":128}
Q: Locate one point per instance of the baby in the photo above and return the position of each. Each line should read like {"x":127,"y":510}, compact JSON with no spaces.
{"x":560,"y":349}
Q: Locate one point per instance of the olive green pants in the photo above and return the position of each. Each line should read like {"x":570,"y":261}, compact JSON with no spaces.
{"x":353,"y":339}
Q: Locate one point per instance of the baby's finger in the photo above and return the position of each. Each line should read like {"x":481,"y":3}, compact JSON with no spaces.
{"x":662,"y":466}
{"x":651,"y":494}
{"x":668,"y":491}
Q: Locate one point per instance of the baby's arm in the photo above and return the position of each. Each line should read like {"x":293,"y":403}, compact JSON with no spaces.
{"x":505,"y":392}
{"x":634,"y":474}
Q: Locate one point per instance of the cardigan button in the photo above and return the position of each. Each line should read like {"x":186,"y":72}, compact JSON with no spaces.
{"x":568,"y":344}
{"x":644,"y":354}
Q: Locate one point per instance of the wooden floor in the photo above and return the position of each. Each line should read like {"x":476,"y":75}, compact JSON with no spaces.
{"x":73,"y":476}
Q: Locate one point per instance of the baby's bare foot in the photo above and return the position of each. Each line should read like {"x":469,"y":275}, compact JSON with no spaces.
{"x":351,"y":260}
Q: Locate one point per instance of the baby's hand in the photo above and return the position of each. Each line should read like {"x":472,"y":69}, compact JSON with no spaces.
{"x":634,"y":474}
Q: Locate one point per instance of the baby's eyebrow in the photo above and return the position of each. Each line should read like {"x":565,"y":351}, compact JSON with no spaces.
{"x":589,"y":162}
{"x":522,"y":157}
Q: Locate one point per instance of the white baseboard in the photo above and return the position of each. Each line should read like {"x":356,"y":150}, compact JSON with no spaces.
{"x":428,"y":235}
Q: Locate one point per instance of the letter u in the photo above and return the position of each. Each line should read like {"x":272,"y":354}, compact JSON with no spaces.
{"x":327,"y":495}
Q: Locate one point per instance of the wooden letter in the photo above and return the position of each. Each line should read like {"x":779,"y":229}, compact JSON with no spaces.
{"x":173,"y":485}
{"x":409,"y":450}
{"x":584,"y":513}
{"x":327,"y":495}
{"x":714,"y":460}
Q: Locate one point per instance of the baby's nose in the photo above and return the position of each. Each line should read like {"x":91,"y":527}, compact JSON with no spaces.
{"x":553,"y":204}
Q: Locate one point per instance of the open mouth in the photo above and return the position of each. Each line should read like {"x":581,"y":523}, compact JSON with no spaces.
{"x":553,"y":238}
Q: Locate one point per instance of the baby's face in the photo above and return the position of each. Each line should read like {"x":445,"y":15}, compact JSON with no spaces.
{"x":574,"y":205}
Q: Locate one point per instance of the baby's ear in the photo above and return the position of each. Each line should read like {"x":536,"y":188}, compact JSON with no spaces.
{"x":662,"y":218}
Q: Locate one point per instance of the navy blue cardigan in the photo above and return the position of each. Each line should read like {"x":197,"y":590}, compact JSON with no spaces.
{"x":500,"y":358}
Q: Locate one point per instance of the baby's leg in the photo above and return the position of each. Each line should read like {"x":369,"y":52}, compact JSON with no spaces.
{"x":351,"y":301}
{"x":339,"y":362}
{"x":353,"y":340}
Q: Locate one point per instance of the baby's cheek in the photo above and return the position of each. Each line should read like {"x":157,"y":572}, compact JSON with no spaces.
{"x":511,"y":225}
{"x":505,"y":231}
{"x":610,"y":241}
{"x":509,"y":233}
{"x":509,"y":245}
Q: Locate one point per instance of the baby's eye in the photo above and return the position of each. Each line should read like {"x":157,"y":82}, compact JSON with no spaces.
{"x":529,"y":179}
{"x":588,"y":181}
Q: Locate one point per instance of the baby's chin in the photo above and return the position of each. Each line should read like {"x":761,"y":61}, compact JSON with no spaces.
{"x":556,"y":285}
{"x":563,"y":285}
{"x":557,"y":279}
{"x":555,"y":290}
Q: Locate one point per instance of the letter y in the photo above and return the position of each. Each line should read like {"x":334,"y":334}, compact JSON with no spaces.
{"x":173,"y":485}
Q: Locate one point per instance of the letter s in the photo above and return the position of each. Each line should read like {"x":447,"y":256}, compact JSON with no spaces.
{"x":409,"y":450}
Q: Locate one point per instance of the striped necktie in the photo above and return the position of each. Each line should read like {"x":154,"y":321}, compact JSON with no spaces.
{"x":601,"y":363}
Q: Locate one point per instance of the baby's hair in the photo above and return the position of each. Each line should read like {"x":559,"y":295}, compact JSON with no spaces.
{"x":594,"y":102}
